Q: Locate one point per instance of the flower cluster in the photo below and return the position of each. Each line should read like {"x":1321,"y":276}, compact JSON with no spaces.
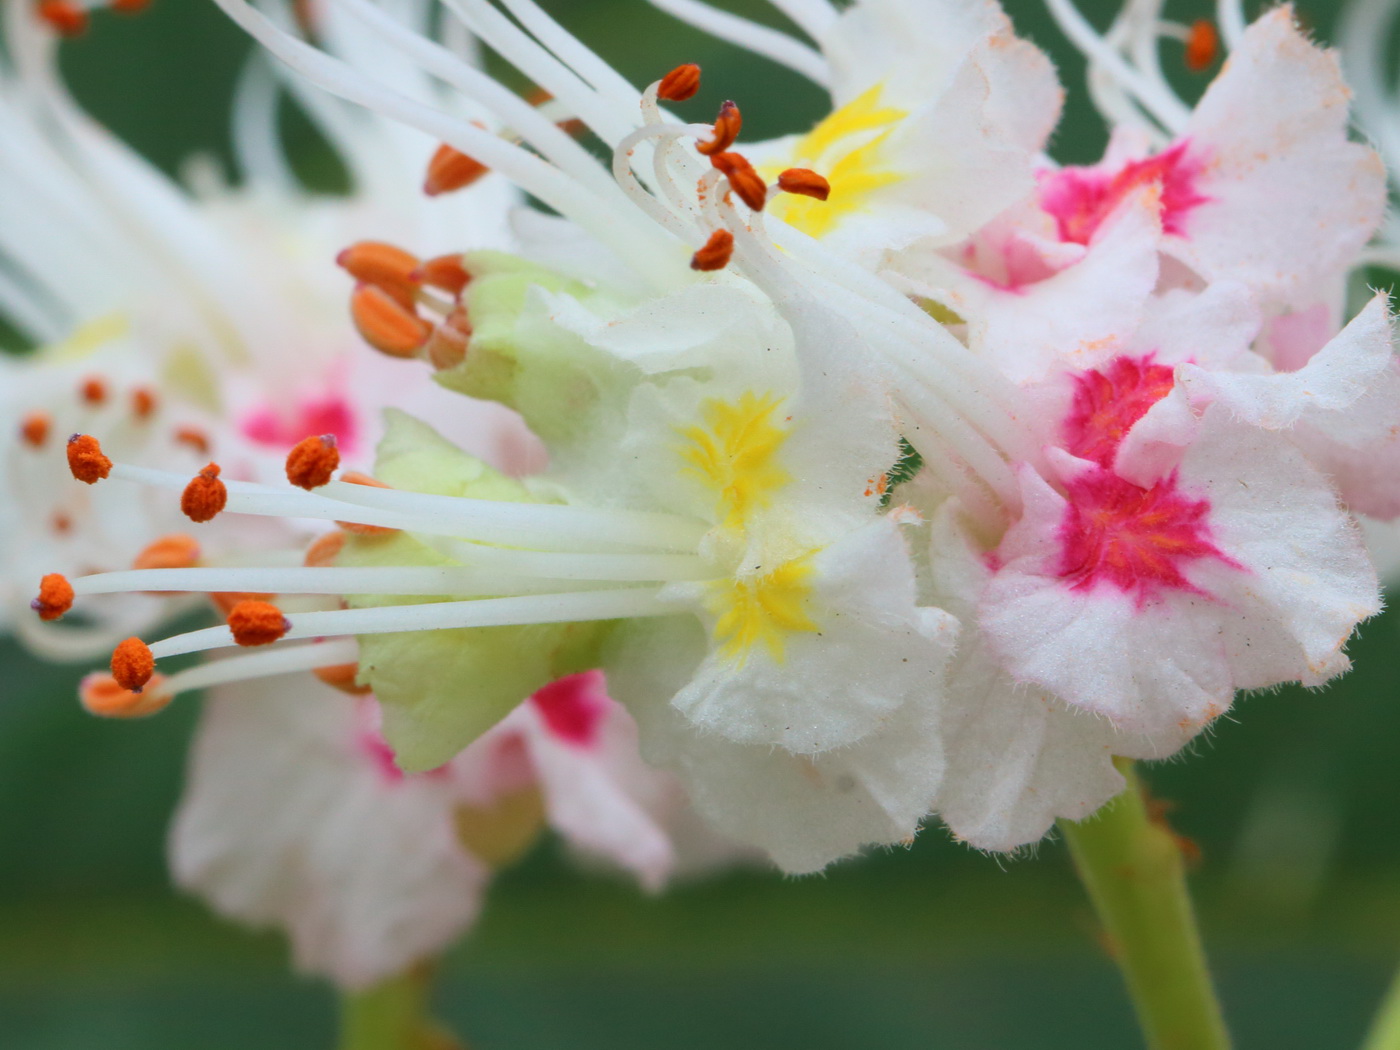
{"x":894,"y":470}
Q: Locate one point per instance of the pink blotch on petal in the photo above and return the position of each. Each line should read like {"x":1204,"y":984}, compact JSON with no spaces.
{"x":573,"y":708}
{"x":331,"y":414}
{"x":1108,"y":401}
{"x":1134,"y":539}
{"x":1010,"y":264}
{"x":1080,"y":199}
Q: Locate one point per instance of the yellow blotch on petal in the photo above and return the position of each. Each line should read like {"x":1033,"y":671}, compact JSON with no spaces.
{"x":735,"y":453}
{"x":846,"y":148}
{"x":764,"y":610}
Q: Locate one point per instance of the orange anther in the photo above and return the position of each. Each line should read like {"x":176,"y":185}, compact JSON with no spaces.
{"x":128,"y":7}
{"x":451,"y":169}
{"x":325,"y":548}
{"x":133,"y":664}
{"x":102,"y":695}
{"x":445,"y":272}
{"x":225,"y":601}
{"x":85,"y":459}
{"x":1202,"y":45}
{"x":63,"y":16}
{"x":143,"y":402}
{"x":747,"y":183}
{"x":194,"y":438}
{"x":204,"y":496}
{"x":382,"y":265}
{"x":680,"y":84}
{"x":61,"y":523}
{"x":55,"y":597}
{"x":716,"y":252}
{"x":35,"y":426}
{"x":354,"y":477}
{"x":93,"y":390}
{"x":448,"y":346}
{"x":806,"y":182}
{"x":257,"y":623}
{"x":312,"y":461}
{"x":342,"y":677}
{"x":386,"y":324}
{"x":727,"y":126}
{"x":175,"y":551}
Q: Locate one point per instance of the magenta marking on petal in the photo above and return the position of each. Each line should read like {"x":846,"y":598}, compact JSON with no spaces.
{"x":1108,"y":401}
{"x":573,"y":708}
{"x":331,"y":414}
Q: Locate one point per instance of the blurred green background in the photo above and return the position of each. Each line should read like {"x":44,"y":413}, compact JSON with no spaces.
{"x":1293,"y":799}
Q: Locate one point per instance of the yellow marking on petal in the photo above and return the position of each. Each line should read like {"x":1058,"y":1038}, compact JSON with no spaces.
{"x":736,"y":454}
{"x":761,"y":609}
{"x":90,"y":337}
{"x":846,"y":148}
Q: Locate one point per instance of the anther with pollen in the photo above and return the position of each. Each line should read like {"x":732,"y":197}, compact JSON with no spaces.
{"x":715,"y":253}
{"x":342,"y":677}
{"x":1202,"y":45}
{"x":85,"y":459}
{"x":384,"y":266}
{"x":747,"y":182}
{"x":143,"y":402}
{"x":175,"y":551}
{"x":447,"y":347}
{"x":727,"y":126}
{"x":102,"y":695}
{"x":680,"y":84}
{"x":313,"y":461}
{"x":193,"y":437}
{"x":93,"y":390}
{"x":55,"y":597}
{"x":34,"y":427}
{"x":325,"y":549}
{"x":133,"y":664}
{"x":354,"y":477}
{"x":450,"y":170}
{"x":445,"y":272}
{"x":386,"y":324}
{"x":257,"y":623}
{"x":806,"y":182}
{"x":204,"y":496}
{"x":63,"y":16}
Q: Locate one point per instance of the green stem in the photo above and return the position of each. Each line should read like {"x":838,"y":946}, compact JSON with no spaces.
{"x":1385,"y":1029}
{"x":392,"y":1015}
{"x":1132,"y":868}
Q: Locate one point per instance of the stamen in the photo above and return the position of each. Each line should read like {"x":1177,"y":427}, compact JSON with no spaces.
{"x":447,"y":348}
{"x":257,"y":623}
{"x":225,"y":601}
{"x":55,"y":597}
{"x":205,"y":495}
{"x":450,"y":170}
{"x":194,"y":438}
{"x":85,"y":459}
{"x":680,"y":84}
{"x":63,"y":16}
{"x":143,"y":402}
{"x":805,"y":182}
{"x":342,"y":677}
{"x":176,"y":551}
{"x":103,"y":696}
{"x":386,"y":324}
{"x":1202,"y":45}
{"x":384,"y":266}
{"x":354,"y":477}
{"x":34,"y":428}
{"x":727,"y":126}
{"x":716,"y":252}
{"x":313,"y":461}
{"x":93,"y":390}
{"x":324,"y":549}
{"x":133,"y":664}
{"x":747,"y":183}
{"x":445,"y":272}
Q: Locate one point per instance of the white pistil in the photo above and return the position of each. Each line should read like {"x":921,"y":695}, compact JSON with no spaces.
{"x":567,"y":607}
{"x":1230,"y":15}
{"x":262,"y":664}
{"x":662,"y":135}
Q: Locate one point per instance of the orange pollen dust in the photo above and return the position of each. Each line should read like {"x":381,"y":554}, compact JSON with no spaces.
{"x":257,"y":623}
{"x":354,"y":477}
{"x":680,"y":84}
{"x":384,"y":266}
{"x":806,"y":182}
{"x":445,"y":272}
{"x":386,"y":324}
{"x":447,"y":348}
{"x":312,"y":462}
{"x":102,"y":695}
{"x":747,"y":183}
{"x":175,"y":551}
{"x":35,"y":427}
{"x":342,"y":677}
{"x":55,"y":597}
{"x":194,"y":438}
{"x":715,"y":253}
{"x":93,"y":390}
{"x":727,"y":126}
{"x":204,"y":496}
{"x":143,"y":402}
{"x":1202,"y":45}
{"x":85,"y":459}
{"x":325,"y":548}
{"x":450,"y":170}
{"x":63,"y":16}
{"x":133,"y":664}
